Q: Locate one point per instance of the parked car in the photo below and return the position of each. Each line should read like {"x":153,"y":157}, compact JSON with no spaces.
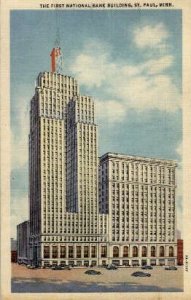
{"x":31,"y":267}
{"x":93,"y":266}
{"x":28,"y":266}
{"x":170,"y":268}
{"x":57,"y":267}
{"x":46,"y":267}
{"x":111,"y":267}
{"x":147,"y":267}
{"x":67,"y":267}
{"x":92,"y":272}
{"x":140,"y":274}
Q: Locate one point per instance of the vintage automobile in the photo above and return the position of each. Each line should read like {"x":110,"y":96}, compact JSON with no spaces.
{"x":140,"y":274}
{"x":146,"y":267}
{"x":170,"y":268}
{"x":111,"y":267}
{"x":92,"y":272}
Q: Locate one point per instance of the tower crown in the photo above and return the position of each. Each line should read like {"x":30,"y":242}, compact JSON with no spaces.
{"x":57,"y":60}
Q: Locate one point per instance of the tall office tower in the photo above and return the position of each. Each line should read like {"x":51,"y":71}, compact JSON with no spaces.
{"x":63,"y":172}
{"x":82,"y":181}
{"x":47,"y":154}
{"x":82,"y":157}
{"x":138,"y":194}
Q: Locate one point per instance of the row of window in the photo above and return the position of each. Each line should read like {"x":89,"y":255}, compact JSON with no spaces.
{"x":91,"y":251}
{"x":144,"y":251}
{"x":58,"y":80}
{"x":142,"y":179}
{"x":140,"y":189}
{"x":141,"y":166}
{"x":72,"y":238}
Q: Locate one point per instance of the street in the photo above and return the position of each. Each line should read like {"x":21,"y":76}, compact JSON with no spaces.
{"x":75,"y":280}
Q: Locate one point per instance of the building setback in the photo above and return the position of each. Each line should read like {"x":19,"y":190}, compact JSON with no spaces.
{"x":129,"y":219}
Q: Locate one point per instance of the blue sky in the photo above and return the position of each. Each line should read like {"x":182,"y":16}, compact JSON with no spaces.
{"x":129,"y":61}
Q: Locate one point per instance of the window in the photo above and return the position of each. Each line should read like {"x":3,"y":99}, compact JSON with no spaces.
{"x":153,"y":251}
{"x":144,"y":251}
{"x":161,"y":251}
{"x":78,"y":251}
{"x":46,"y":252}
{"x":62,"y":252}
{"x":54,"y":252}
{"x":125,"y":251}
{"x":86,"y":251}
{"x":171,"y":251}
{"x":103,"y":251}
{"x":70,"y":252}
{"x":135,"y":251}
{"x":115,"y":251}
{"x":93,"y":251}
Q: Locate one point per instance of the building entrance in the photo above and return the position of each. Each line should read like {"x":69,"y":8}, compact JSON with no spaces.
{"x":126,"y":262}
{"x":135,"y":262}
{"x":171,"y":262}
{"x":143,"y":262}
{"x":153,"y":262}
{"x":116,"y":262}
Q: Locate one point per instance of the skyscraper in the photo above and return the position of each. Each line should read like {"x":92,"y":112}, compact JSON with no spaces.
{"x":129,"y":219}
{"x":63,"y":170}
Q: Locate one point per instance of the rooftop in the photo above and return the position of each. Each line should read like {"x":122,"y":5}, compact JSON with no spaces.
{"x":122,"y":156}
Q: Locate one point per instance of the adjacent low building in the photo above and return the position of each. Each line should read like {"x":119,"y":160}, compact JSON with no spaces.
{"x":180,"y":255}
{"x":23,"y":233}
{"x":138,"y":195}
{"x":13,"y":250}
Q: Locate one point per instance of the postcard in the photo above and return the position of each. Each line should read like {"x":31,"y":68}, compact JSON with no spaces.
{"x":95,"y":149}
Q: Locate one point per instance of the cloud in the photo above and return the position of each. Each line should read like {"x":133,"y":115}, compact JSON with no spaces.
{"x":156,"y":66}
{"x":145,"y":93}
{"x":143,"y":86}
{"x":19,"y":212}
{"x":110,"y":110}
{"x":93,"y":69}
{"x":149,"y":67}
{"x":151,"y":36}
{"x":89,"y":67}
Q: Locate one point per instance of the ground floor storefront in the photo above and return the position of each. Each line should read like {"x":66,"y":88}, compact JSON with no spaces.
{"x":118,"y":262}
{"x":100,"y":254}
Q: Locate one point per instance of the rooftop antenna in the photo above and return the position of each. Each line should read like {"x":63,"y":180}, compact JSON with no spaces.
{"x":57,"y":40}
{"x":57,"y":60}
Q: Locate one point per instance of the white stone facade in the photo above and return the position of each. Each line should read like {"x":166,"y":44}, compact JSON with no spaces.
{"x":63,"y":174}
{"x":138,"y":194}
{"x":72,"y":220}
